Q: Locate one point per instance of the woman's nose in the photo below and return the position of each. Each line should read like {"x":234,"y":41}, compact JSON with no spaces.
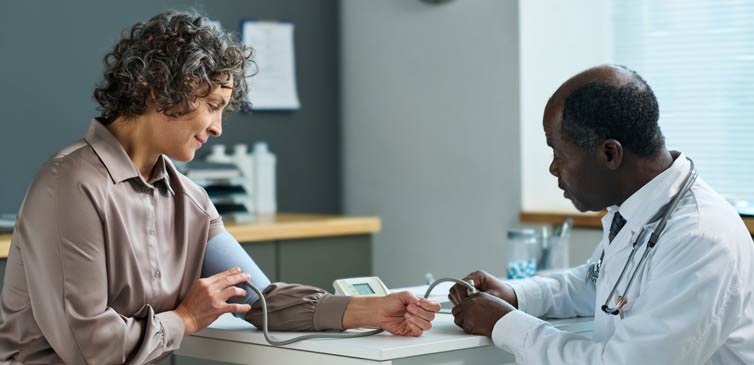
{"x":216,"y":128}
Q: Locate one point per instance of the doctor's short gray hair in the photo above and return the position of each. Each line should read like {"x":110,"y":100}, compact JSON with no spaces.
{"x":628,"y":113}
{"x":173,"y":58}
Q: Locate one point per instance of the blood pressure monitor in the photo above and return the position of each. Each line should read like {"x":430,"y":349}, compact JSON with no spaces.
{"x":368,"y":286}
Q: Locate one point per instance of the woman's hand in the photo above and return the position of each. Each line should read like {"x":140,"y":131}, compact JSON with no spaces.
{"x":206,"y":300}
{"x":401,"y":313}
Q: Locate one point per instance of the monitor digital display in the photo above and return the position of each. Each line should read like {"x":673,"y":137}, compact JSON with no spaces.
{"x":363,"y":289}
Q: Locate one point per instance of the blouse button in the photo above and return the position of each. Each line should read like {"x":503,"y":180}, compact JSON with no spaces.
{"x":157,"y":274}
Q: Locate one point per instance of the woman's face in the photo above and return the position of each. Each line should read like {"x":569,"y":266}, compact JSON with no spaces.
{"x":180,"y":137}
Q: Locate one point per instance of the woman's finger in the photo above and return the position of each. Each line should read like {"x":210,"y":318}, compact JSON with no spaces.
{"x":429,"y":305}
{"x":231,"y":280}
{"x":237,"y":308}
{"x":418,"y":322}
{"x":413,"y":330}
{"x":222,"y":275}
{"x":232,"y":291}
{"x":417,"y":310}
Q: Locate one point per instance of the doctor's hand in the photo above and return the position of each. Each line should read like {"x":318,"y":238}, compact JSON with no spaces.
{"x":487,"y":283}
{"x":206,"y":300}
{"x":478,"y":313}
{"x":401,"y":314}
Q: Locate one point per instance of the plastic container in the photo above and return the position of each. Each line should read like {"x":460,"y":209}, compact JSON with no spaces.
{"x":217,"y":154}
{"x":264,"y":179}
{"x":555,"y":247}
{"x":559,"y":247}
{"x":245,"y":163}
{"x":523,"y":249}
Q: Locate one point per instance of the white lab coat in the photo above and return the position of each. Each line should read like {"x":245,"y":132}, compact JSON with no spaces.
{"x":692,"y":303}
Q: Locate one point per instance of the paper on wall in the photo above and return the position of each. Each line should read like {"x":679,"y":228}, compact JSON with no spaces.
{"x":274,"y":85}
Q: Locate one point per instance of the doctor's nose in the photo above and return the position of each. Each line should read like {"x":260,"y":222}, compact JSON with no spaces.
{"x":554,"y":168}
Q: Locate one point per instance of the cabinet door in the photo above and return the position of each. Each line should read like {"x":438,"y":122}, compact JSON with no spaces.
{"x":321,"y":261}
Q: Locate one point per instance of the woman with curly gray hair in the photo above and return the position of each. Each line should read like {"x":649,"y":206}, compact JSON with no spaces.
{"x":105,"y":264}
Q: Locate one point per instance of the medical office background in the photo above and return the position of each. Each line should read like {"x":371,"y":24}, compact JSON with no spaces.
{"x":427,"y":116}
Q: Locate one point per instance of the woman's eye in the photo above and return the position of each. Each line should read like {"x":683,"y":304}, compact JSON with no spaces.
{"x":213,"y":107}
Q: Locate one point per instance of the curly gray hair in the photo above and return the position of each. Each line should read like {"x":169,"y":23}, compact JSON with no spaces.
{"x":174,"y":58}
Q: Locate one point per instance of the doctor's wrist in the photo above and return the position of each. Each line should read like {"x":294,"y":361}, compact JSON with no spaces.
{"x":509,"y":295}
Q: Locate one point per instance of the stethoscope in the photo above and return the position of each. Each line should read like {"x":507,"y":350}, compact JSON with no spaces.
{"x":649,"y":235}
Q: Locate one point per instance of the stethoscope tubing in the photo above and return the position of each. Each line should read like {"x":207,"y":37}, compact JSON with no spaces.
{"x":654,"y":234}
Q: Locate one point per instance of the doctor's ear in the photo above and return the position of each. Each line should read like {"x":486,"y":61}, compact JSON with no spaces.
{"x":611,"y":153}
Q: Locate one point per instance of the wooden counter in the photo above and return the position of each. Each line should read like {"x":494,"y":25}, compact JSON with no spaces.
{"x":590,"y":220}
{"x":282,"y":226}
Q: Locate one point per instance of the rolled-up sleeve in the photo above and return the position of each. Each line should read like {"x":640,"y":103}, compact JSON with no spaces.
{"x":61,"y":238}
{"x":294,"y":307}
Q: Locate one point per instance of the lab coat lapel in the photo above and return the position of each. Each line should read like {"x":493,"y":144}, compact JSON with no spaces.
{"x":638,"y":210}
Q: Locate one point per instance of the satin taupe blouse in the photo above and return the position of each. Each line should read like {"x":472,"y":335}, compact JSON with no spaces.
{"x":100,"y":258}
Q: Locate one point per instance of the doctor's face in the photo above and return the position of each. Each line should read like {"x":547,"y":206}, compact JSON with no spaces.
{"x":574,"y":167}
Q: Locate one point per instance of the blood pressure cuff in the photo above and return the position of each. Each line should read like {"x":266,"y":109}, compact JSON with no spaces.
{"x":224,"y":252}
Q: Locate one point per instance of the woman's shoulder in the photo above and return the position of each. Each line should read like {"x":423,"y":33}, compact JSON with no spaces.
{"x":73,"y":174}
{"x":73,"y":165}
{"x":78,"y":160}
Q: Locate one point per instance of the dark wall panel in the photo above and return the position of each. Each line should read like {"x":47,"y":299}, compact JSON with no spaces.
{"x":51,"y":57}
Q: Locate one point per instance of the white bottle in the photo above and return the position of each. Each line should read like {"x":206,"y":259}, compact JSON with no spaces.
{"x":245,"y":163}
{"x":218,"y":154}
{"x":264,"y":179}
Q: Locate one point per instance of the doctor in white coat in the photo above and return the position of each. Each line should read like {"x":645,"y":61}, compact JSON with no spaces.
{"x":692,"y":299}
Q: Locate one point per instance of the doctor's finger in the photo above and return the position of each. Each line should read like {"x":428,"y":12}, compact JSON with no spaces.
{"x":457,"y":293}
{"x":458,"y":320}
{"x":452,"y":298}
{"x":457,"y":310}
{"x":480,"y":279}
{"x":468,"y":327}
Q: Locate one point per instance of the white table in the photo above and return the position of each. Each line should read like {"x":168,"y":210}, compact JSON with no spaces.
{"x":233,"y":340}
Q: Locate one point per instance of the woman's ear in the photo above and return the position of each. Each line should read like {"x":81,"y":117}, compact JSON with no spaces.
{"x":610,"y":152}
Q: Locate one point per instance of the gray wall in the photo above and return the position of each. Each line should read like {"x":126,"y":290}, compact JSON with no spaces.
{"x":431,"y":132}
{"x":50,"y":60}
